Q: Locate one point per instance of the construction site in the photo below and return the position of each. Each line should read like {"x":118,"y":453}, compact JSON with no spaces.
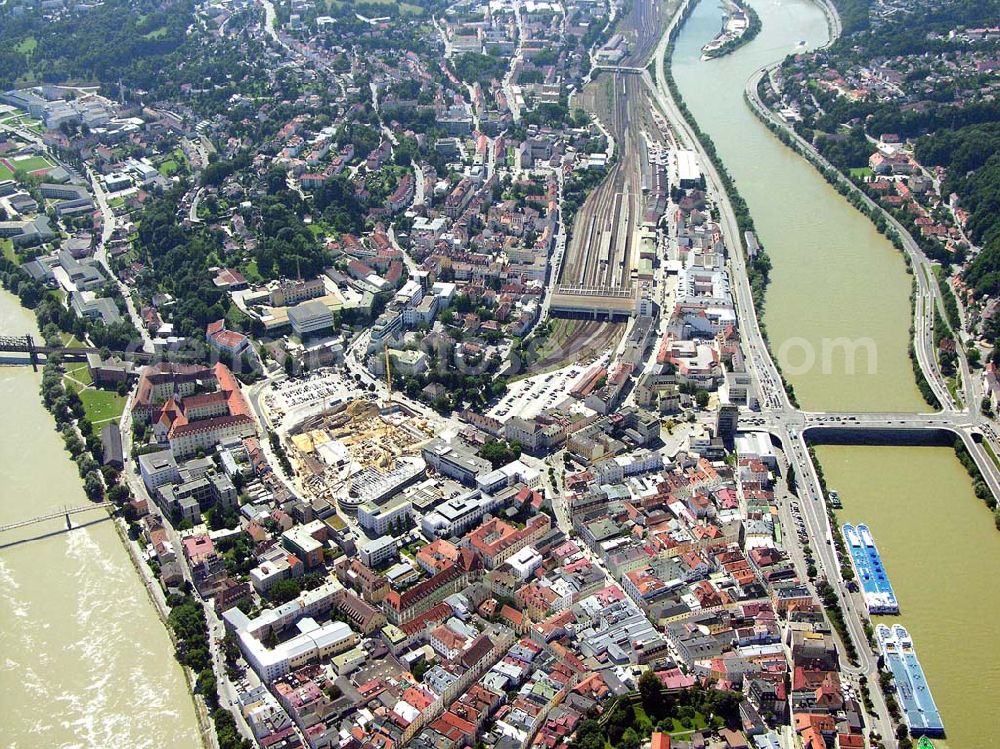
{"x":358,"y":449}
{"x":342,"y":453}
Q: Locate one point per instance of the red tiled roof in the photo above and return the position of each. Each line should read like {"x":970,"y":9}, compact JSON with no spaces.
{"x":196,"y":427}
{"x":433,"y":615}
{"x":163,"y":372}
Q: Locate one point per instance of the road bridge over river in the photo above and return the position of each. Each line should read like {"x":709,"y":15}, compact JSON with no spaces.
{"x":794,"y":428}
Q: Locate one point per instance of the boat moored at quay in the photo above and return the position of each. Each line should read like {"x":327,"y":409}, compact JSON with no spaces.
{"x":875,"y":586}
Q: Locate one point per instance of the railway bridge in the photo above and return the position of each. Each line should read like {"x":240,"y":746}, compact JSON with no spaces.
{"x":24,"y":344}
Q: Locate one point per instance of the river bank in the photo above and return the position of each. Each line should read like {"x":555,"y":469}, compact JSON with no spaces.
{"x":834,"y":275}
{"x":87,"y":662}
{"x":728,"y":41}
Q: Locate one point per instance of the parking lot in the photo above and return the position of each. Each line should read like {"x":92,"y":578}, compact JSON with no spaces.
{"x":527,"y":397}
{"x":800,"y":526}
{"x":323,"y":384}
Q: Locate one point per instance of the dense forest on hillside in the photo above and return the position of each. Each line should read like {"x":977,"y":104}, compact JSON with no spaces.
{"x":127,"y":40}
{"x":854,"y":15}
{"x":971,"y":156}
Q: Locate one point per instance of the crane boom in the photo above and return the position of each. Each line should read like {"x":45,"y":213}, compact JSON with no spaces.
{"x":388,"y":376}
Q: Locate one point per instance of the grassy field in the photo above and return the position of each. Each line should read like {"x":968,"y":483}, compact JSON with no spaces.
{"x":952,"y":383}
{"x":8,"y":250}
{"x":404,"y":8}
{"x":26,"y":46}
{"x":79,"y":373}
{"x":102,"y":405}
{"x":679,"y":729}
{"x":862,"y":172}
{"x":5,"y":173}
{"x":31,"y":164}
{"x":699,"y":723}
{"x":251,"y":273}
{"x":98,"y":405}
{"x":71,"y":341}
{"x":318,"y":229}
{"x":171,"y":164}
{"x":20,"y":118}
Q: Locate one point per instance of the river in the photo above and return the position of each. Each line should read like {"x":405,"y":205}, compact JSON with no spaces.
{"x":834,"y":276}
{"x":942,"y":554}
{"x":86,"y":661}
{"x":858,"y":288}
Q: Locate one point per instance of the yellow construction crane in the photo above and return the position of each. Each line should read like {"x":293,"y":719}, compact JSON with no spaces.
{"x":388,"y":377}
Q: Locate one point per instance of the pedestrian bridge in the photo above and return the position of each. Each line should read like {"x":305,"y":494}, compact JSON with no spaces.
{"x":63,"y":513}
{"x":25,"y":345}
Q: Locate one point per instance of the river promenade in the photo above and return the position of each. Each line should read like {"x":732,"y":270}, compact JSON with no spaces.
{"x":834,"y":277}
{"x":87,"y":661}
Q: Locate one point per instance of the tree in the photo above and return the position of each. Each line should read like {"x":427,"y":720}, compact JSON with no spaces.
{"x":701,"y":398}
{"x":93,"y":486}
{"x":230,"y":647}
{"x":206,"y":686}
{"x":284,"y":591}
{"x":650,"y":687}
{"x":630,"y":739}
{"x":220,"y":517}
{"x":73,"y":443}
{"x":500,"y":453}
{"x":589,"y":735}
{"x":119,"y":494}
{"x":226,"y":731}
{"x":420,"y":668}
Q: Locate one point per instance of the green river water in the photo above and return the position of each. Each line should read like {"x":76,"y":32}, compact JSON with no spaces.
{"x":942,"y":554}
{"x":834,"y":276}
{"x":855,"y":282}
